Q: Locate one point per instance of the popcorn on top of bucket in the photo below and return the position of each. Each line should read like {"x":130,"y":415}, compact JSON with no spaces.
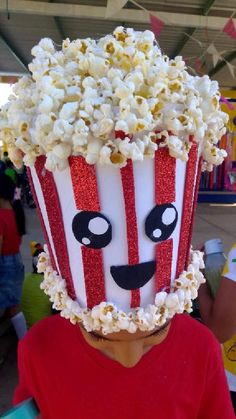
{"x":108,"y":100}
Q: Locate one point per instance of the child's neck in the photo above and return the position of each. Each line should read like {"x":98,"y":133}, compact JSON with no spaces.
{"x":126,"y":348}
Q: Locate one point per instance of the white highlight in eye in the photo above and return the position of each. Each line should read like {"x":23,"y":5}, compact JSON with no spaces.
{"x":98,"y":225}
{"x":168,"y":216}
{"x":85,"y":241}
{"x":157,"y":233}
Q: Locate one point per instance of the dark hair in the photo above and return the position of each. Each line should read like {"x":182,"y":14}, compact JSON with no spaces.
{"x":9,"y":164}
{"x":20,"y":216}
{"x":7,"y":190}
{"x":5,"y":153}
{"x":35,"y":258}
{"x":7,"y":187}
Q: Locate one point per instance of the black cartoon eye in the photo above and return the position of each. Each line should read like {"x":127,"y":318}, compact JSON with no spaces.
{"x":161,"y":222}
{"x":92,"y":229}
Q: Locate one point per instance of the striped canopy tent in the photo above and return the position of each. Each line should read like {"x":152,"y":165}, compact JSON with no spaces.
{"x":190,"y":27}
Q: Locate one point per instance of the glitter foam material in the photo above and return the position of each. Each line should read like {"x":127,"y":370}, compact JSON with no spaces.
{"x":41,"y":218}
{"x":131,"y":223}
{"x":94,"y":276}
{"x":52,"y":203}
{"x":165,"y":167}
{"x":194,"y":205}
{"x":188,"y":208}
{"x":163,"y":265}
{"x":84,"y":183}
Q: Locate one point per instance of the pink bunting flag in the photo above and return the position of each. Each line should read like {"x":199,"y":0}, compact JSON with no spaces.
{"x":198,"y":65}
{"x":12,"y":80}
{"x":156,"y":24}
{"x":227,"y":103}
{"x":230,"y":29}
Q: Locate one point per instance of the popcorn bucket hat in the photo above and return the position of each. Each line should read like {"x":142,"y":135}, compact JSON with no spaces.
{"x":115,"y":135}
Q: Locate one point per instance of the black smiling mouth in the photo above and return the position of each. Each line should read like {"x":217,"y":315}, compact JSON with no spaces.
{"x":132,"y":277}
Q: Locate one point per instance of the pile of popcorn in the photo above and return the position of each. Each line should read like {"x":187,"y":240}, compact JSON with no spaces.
{"x":107,"y":317}
{"x":108,"y":100}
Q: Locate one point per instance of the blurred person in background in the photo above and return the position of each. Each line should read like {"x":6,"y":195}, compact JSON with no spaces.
{"x":26,"y":191}
{"x":10,"y":171}
{"x":12,"y":228}
{"x":2,"y":167}
{"x":218,"y":312}
{"x":5,"y":156}
{"x":34,"y":302}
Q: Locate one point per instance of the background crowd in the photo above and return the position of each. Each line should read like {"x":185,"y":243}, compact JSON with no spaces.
{"x":21,"y":299}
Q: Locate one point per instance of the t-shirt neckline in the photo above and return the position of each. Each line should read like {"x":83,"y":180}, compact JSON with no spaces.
{"x":152,"y":355}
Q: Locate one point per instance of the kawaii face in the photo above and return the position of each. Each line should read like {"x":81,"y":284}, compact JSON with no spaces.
{"x":117,"y":234}
{"x":94,"y":230}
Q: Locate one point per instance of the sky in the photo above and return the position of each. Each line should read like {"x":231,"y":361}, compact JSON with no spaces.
{"x":5,"y":90}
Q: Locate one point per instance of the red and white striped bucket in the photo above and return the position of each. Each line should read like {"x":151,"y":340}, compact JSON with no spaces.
{"x":118,"y":235}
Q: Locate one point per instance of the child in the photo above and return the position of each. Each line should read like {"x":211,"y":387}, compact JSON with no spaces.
{"x":219,"y":314}
{"x":114,"y":167}
{"x":34,"y":303}
{"x":12,"y":227}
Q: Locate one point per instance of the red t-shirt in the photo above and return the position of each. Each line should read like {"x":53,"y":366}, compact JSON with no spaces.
{"x":8,"y":229}
{"x":181,"y":378}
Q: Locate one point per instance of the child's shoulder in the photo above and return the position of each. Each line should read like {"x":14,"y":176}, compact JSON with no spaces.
{"x":6,"y":212}
{"x":49,"y":329}
{"x":190,"y":328}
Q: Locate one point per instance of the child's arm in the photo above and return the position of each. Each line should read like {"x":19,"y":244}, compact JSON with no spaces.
{"x":220,"y":314}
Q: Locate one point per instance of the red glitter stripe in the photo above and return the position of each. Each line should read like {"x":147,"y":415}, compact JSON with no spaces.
{"x":84,"y":181}
{"x":127,"y":177}
{"x":165,"y":167}
{"x":55,"y":219}
{"x":41,"y":218}
{"x":187,"y":210}
{"x":94,"y":276}
{"x":163,"y":266}
{"x":199,"y":171}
